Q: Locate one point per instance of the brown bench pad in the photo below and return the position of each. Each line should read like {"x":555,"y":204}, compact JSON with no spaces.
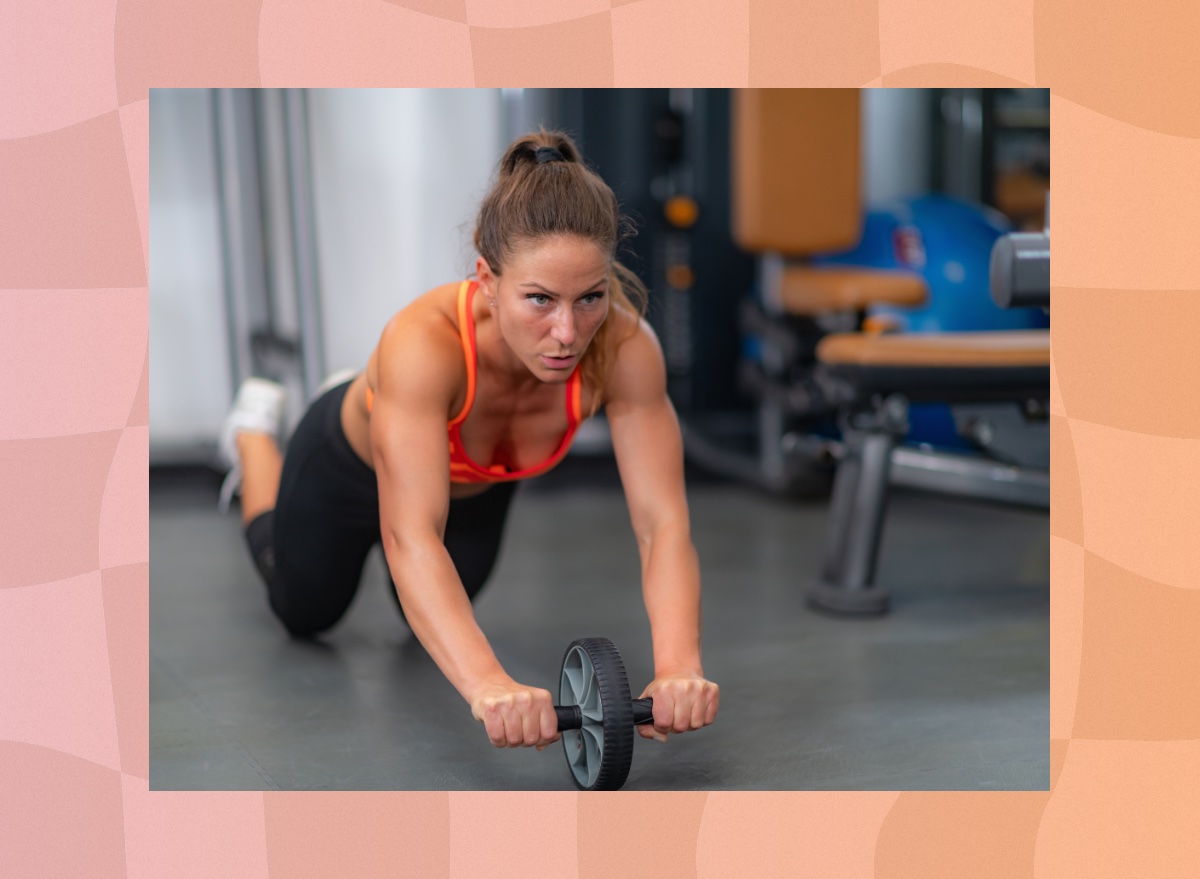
{"x":986,"y":349}
{"x":811,"y":291}
{"x":950,"y":366}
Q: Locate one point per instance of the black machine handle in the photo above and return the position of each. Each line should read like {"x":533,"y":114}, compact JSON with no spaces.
{"x":1020,"y":270}
{"x":1020,"y":267}
{"x":571,"y":717}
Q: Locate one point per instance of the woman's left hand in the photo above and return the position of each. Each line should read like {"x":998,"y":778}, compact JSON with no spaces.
{"x":682,"y":702}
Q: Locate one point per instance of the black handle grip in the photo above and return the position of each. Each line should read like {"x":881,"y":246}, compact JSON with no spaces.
{"x":643,"y":711}
{"x":571,"y":716}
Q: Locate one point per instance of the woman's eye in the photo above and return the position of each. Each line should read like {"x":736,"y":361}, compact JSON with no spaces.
{"x":592,"y":298}
{"x":539,"y":298}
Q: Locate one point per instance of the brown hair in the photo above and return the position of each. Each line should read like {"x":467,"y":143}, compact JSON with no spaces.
{"x":539,"y":192}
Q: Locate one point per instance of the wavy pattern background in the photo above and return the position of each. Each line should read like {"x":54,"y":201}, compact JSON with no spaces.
{"x":74,"y":571}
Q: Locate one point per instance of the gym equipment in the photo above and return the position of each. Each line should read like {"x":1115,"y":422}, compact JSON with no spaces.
{"x":1020,"y":268}
{"x":598,"y":714}
{"x":880,"y":377}
{"x":794,"y":193}
{"x":948,"y":242}
{"x":818,"y":286}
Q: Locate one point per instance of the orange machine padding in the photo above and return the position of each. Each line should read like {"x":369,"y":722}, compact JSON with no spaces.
{"x":796,"y":170}
{"x":983,"y":349}
{"x":810,"y":291}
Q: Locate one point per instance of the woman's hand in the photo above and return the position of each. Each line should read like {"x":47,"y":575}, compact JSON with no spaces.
{"x":682,"y":702}
{"x":516,"y":716}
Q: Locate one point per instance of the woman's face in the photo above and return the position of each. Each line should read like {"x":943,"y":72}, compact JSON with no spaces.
{"x":549,"y":302}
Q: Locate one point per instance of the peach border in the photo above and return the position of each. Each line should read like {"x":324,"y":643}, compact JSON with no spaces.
{"x":74,"y":557}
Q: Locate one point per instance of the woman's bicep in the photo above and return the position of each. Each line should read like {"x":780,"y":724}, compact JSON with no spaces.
{"x":411,"y":466}
{"x":409,"y":443}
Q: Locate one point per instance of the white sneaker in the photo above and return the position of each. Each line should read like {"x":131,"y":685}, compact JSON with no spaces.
{"x":257,"y":408}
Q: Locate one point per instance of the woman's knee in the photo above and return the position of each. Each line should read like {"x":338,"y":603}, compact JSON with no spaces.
{"x":301,"y":621}
{"x":309,"y":606}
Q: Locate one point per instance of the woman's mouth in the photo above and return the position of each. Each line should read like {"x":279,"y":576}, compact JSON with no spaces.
{"x":557,"y":362}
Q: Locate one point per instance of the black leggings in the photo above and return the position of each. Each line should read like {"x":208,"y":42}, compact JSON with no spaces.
{"x":312,"y":547}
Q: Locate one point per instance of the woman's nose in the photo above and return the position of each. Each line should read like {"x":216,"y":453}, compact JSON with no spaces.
{"x":563,"y":330}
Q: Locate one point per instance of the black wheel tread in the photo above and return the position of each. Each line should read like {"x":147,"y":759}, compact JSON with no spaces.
{"x":618,"y":712}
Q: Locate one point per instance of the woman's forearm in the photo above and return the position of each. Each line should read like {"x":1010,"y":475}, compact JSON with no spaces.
{"x":440,"y":614}
{"x":671,"y":590}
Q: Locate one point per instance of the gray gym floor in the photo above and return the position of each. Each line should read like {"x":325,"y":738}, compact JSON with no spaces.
{"x":948,"y":692}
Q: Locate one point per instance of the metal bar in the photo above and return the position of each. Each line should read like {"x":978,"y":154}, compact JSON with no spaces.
{"x":970,"y":477}
{"x":866,"y":518}
{"x":241,"y":227}
{"x":771,"y":418}
{"x":841,"y":507}
{"x":308,"y":292}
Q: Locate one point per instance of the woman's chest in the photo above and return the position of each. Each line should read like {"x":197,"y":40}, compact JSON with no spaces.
{"x":517,"y":431}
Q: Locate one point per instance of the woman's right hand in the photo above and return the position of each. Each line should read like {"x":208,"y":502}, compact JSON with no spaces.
{"x":516,"y":716}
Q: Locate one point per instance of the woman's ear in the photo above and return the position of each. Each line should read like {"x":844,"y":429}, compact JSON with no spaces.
{"x":486,"y":278}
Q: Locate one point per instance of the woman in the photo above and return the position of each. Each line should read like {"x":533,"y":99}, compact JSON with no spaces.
{"x":506,"y":366}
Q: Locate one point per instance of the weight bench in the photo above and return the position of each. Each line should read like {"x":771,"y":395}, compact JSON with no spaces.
{"x":872,"y":379}
{"x":796,"y":193}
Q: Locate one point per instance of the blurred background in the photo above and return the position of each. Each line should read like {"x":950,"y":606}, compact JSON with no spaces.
{"x":821,"y":278}
{"x":287,"y":226}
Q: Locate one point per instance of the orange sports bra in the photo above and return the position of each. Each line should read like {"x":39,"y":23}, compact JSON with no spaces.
{"x":462,"y":468}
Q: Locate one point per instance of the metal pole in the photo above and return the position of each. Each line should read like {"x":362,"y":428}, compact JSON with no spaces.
{"x":308,"y":291}
{"x":240,"y":209}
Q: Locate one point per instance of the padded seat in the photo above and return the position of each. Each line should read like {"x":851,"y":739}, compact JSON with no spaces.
{"x":813,"y":291}
{"x":951,"y":367}
{"x":873,"y":378}
{"x":1000,"y":348}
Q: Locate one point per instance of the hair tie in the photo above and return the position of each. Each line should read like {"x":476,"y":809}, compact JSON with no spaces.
{"x":548,"y":154}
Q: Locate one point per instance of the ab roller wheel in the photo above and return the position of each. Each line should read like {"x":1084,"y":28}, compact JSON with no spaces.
{"x":598,"y":715}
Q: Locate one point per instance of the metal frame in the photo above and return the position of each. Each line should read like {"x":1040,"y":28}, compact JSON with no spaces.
{"x":239,"y":201}
{"x":860,"y":490}
{"x":268,"y":233}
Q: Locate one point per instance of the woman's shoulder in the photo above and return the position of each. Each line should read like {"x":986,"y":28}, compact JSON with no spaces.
{"x":432,"y":316}
{"x":421,"y":336}
{"x":439,"y":303}
{"x":638,"y":366}
{"x":634,"y":338}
